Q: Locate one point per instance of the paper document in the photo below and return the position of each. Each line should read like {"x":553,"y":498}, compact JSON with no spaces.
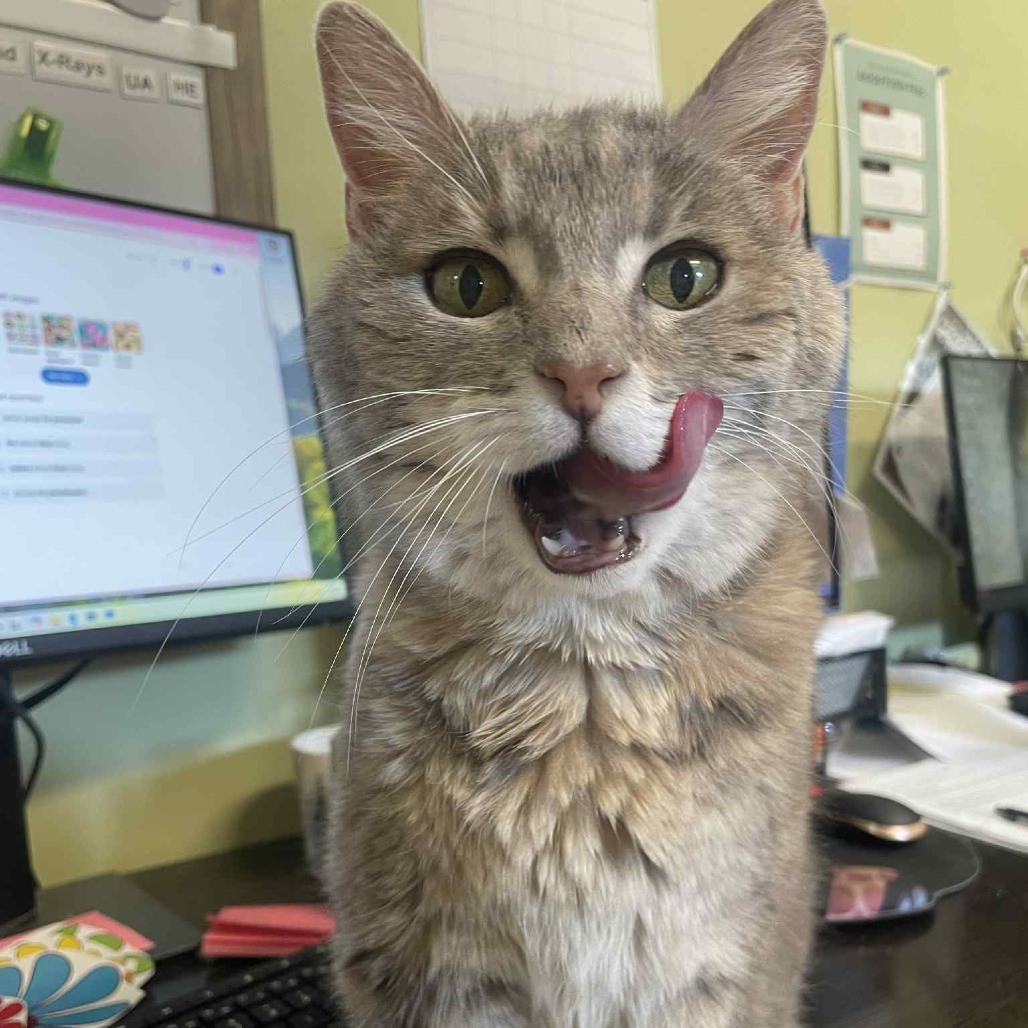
{"x":892,"y":244}
{"x":956,"y":716}
{"x":980,"y":745}
{"x":960,"y":797}
{"x":889,"y":130}
{"x":891,"y":187}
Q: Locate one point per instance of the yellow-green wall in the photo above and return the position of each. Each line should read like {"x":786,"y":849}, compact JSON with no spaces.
{"x":201,"y":763}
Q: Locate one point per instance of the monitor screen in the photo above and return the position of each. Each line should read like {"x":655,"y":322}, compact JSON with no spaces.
{"x":160,"y":454}
{"x":987,"y":410}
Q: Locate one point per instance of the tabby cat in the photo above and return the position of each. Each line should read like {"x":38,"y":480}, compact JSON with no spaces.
{"x":575,"y":368}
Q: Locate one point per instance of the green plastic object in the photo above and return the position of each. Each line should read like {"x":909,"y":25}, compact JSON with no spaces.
{"x":33,"y":148}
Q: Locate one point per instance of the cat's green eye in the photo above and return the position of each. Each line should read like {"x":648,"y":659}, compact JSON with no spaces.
{"x":681,"y":277}
{"x":468,"y":286}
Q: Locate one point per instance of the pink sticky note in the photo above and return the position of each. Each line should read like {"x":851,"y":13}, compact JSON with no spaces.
{"x":223,"y":944}
{"x":304,"y":918}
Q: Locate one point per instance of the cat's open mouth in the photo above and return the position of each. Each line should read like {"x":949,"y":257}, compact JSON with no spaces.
{"x":580,"y":510}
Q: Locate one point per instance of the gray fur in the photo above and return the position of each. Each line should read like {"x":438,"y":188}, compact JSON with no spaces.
{"x":575,"y":802}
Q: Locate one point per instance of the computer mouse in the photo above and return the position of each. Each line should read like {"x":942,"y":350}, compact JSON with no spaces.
{"x":876,"y":816}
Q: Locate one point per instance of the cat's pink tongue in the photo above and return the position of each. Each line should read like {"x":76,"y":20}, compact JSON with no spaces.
{"x":616,"y":491}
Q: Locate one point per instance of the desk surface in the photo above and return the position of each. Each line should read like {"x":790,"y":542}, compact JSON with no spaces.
{"x":965,"y":965}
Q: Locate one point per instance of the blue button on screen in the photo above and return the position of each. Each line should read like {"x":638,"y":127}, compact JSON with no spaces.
{"x":65,"y":376}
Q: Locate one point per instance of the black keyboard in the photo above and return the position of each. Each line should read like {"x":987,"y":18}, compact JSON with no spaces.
{"x":293,"y":992}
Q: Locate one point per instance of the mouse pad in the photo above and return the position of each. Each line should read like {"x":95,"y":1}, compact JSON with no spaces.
{"x":122,"y":899}
{"x":864,"y":880}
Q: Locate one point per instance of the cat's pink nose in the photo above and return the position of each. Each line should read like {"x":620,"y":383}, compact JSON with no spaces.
{"x":582,"y":395}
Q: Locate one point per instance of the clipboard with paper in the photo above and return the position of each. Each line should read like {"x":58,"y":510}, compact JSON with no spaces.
{"x":913,"y":461}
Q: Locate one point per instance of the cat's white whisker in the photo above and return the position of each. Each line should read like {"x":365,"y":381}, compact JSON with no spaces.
{"x":405,"y":436}
{"x":367,"y":591}
{"x":379,"y":620}
{"x":489,"y":503}
{"x":391,"y":524}
{"x":455,"y":470}
{"x":483,"y":474}
{"x":806,"y":464}
{"x":305,"y":534}
{"x":421,"y":430}
{"x":840,"y":396}
{"x":818,"y":444}
{"x":407,"y":519}
{"x":288,"y":432}
{"x":781,"y":495}
{"x":816,"y":468}
{"x":455,"y":122}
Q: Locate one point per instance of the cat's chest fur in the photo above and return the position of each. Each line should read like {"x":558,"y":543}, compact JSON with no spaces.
{"x":594,"y":822}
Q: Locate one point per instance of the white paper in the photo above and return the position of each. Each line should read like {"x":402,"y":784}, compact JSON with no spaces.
{"x":957,"y":716}
{"x":893,"y":244}
{"x":898,"y":189}
{"x":843,"y":634}
{"x":888,"y":130}
{"x":493,"y":54}
{"x":959,"y":797}
{"x":981,"y":750}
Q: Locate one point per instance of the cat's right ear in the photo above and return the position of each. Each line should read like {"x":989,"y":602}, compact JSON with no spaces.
{"x":386,"y":118}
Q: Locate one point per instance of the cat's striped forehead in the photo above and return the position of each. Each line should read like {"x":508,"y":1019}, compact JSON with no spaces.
{"x":577,"y":186}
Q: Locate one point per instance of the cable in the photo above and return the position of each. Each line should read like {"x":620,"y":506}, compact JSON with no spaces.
{"x":17,"y":710}
{"x":40,"y":740}
{"x":44,"y":692}
{"x":20,"y":709}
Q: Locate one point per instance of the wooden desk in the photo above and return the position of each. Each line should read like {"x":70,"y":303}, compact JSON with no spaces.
{"x":965,"y":966}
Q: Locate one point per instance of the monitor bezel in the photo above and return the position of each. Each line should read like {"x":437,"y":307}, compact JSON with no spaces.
{"x":985,"y":601}
{"x":94,"y":642}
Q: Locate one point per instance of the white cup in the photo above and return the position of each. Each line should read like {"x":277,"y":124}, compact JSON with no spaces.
{"x":312,"y":761}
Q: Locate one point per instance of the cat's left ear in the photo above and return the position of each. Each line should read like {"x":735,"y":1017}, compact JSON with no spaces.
{"x":759,"y":102}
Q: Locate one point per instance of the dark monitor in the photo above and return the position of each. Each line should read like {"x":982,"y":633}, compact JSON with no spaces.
{"x":161,"y":462}
{"x":987,"y":418}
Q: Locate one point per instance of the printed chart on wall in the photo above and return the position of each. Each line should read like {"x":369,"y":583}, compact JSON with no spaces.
{"x":892,"y":163}
{"x":496,"y":55}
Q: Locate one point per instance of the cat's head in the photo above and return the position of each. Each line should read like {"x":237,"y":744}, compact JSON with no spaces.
{"x":538,"y":320}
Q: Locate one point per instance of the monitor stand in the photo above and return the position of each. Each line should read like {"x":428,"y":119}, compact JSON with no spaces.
{"x":1010,"y":645}
{"x":22,"y":909}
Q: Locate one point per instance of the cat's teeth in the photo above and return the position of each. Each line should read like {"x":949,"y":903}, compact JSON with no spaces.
{"x":615,"y":530}
{"x":612,"y":545}
{"x":552,"y":546}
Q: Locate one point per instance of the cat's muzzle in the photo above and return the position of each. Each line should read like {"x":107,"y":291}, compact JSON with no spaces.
{"x":580,"y":510}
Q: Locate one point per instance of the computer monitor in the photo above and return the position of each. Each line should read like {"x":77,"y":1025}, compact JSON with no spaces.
{"x":987,"y":416}
{"x":161,"y":462}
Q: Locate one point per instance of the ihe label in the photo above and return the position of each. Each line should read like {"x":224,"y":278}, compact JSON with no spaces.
{"x":185,"y":89}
